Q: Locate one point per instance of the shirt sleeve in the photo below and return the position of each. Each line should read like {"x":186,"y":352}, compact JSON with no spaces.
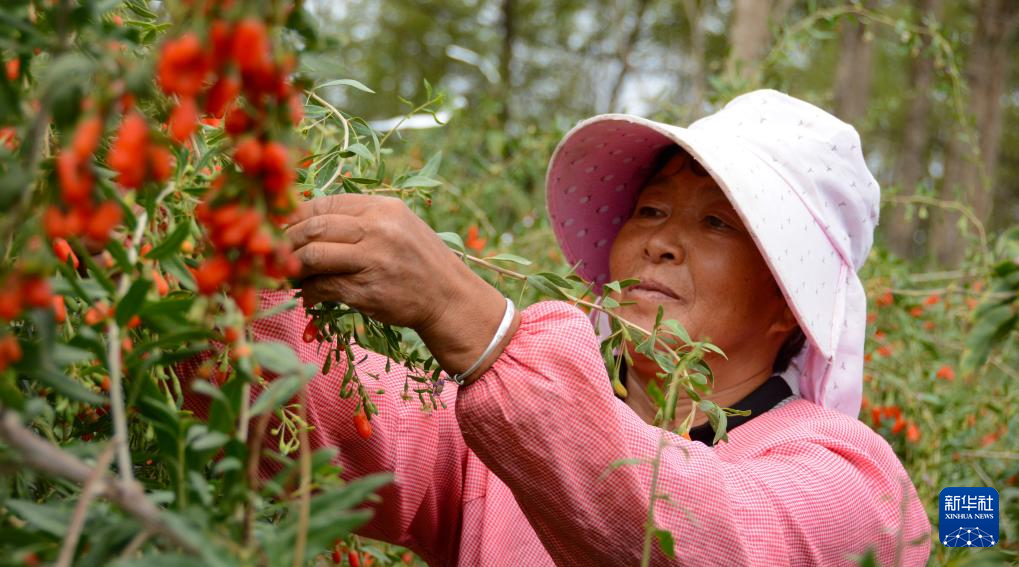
{"x":545,"y":421}
{"x":421,"y":508}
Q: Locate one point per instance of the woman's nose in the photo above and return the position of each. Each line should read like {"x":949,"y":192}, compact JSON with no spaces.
{"x":664,"y":245}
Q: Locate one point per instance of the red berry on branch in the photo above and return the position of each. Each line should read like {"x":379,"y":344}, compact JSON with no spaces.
{"x":221,"y":40}
{"x":162,"y":287}
{"x":237,"y":122}
{"x":182,"y":66}
{"x":13,"y":68}
{"x":250,"y":45}
{"x":246,"y":298}
{"x":86,"y":137}
{"x":161,"y":163}
{"x":10,"y":301}
{"x":310,"y":332}
{"x":353,"y":559}
{"x":63,"y":250}
{"x":248,"y":155}
{"x":106,"y":216}
{"x":76,"y":179}
{"x":59,"y":309}
{"x":363,"y":425}
{"x":183,"y":120}
{"x":221,"y":95}
{"x":128,"y":152}
{"x":212,"y":274}
{"x":36,"y":292}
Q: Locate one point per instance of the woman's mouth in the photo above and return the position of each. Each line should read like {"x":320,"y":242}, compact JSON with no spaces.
{"x":652,"y":291}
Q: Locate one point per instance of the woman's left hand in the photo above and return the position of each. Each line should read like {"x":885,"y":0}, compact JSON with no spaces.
{"x":374,"y":254}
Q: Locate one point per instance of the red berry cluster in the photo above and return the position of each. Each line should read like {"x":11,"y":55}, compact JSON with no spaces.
{"x":234,"y":75}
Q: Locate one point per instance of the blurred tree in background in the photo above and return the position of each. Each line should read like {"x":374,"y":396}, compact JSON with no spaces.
{"x":930,"y":84}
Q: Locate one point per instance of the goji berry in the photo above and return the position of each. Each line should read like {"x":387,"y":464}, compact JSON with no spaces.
{"x":162,"y":288}
{"x":310,"y":332}
{"x":260,"y":243}
{"x":353,"y":559}
{"x":161,"y":162}
{"x":10,"y":302}
{"x":182,"y":66}
{"x":250,"y":45}
{"x":10,"y":349}
{"x":946,"y":372}
{"x":63,"y":251}
{"x":363,"y":425}
{"x":37,"y":292}
{"x":59,"y":309}
{"x":248,"y":155}
{"x":221,"y":95}
{"x":221,"y":40}
{"x":76,"y":179}
{"x":231,"y":334}
{"x":104,"y":384}
{"x":246,"y":298}
{"x":183,"y":120}
{"x":104,"y":219}
{"x":237,"y":122}
{"x":212,"y":274}
{"x":912,"y":433}
{"x":128,"y":151}
{"x":13,"y":68}
{"x":86,"y":137}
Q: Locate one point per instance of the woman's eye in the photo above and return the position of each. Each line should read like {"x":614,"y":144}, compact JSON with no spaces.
{"x":647,"y":211}
{"x":715,"y":222}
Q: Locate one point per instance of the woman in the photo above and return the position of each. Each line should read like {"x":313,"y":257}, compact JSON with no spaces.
{"x":750,"y":234}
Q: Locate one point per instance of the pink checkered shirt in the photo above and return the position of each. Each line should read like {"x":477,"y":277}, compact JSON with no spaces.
{"x":518,"y":474}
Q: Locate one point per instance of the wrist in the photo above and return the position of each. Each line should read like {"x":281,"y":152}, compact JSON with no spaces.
{"x":461,"y":334}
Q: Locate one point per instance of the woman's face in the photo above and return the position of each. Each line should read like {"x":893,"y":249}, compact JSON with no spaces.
{"x":694,"y":257}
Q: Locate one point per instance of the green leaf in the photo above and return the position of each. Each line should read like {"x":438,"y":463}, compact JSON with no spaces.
{"x":620,"y":463}
{"x":276,"y":357}
{"x":171,"y":244}
{"x":544,"y":286}
{"x":48,"y":518}
{"x":361,"y":151}
{"x":346,"y":82}
{"x":666,"y":543}
{"x":209,"y":440}
{"x":990,"y":329}
{"x":555,"y":279}
{"x":507,"y":257}
{"x":418,"y":181}
{"x":132,"y":301}
{"x":453,"y":240}
{"x":278,"y":393}
{"x":431,"y":169}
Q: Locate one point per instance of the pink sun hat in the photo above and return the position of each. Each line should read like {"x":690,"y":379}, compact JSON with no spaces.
{"x":795,"y":174}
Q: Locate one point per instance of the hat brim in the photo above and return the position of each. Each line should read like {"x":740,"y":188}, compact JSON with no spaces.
{"x":601,"y":164}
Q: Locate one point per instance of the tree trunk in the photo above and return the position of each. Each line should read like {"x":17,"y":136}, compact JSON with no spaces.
{"x":506,"y":59}
{"x":749,"y":38}
{"x":625,"y":52}
{"x":696,"y":75}
{"x":912,"y":158}
{"x":853,"y":74}
{"x":966,"y":178}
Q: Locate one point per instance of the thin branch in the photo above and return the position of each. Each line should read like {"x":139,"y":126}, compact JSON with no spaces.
{"x":136,"y":543}
{"x":88,"y":492}
{"x":45,"y":458}
{"x":305,"y":486}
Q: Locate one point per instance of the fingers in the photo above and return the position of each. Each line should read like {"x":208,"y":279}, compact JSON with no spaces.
{"x":344,"y":203}
{"x":318,"y":258}
{"x":327,"y":228}
{"x":317,"y":289}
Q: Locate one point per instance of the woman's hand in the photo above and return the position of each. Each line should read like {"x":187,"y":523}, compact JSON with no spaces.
{"x":374,"y":254}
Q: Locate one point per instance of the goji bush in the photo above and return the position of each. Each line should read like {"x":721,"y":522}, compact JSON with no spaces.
{"x":149,"y":158}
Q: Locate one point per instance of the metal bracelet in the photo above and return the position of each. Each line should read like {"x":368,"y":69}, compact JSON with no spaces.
{"x":507,"y":319}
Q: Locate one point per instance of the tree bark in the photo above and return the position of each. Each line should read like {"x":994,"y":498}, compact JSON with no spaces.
{"x":506,"y":59}
{"x":625,"y":52}
{"x":749,"y":38}
{"x":909,"y":169}
{"x":968,"y":177}
{"x":853,"y":73}
{"x":694,"y":12}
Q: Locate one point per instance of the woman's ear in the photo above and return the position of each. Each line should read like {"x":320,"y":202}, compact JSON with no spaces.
{"x":784,"y":323}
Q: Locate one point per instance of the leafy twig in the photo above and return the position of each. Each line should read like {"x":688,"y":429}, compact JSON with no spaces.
{"x":88,"y":492}
{"x":43,"y":457}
